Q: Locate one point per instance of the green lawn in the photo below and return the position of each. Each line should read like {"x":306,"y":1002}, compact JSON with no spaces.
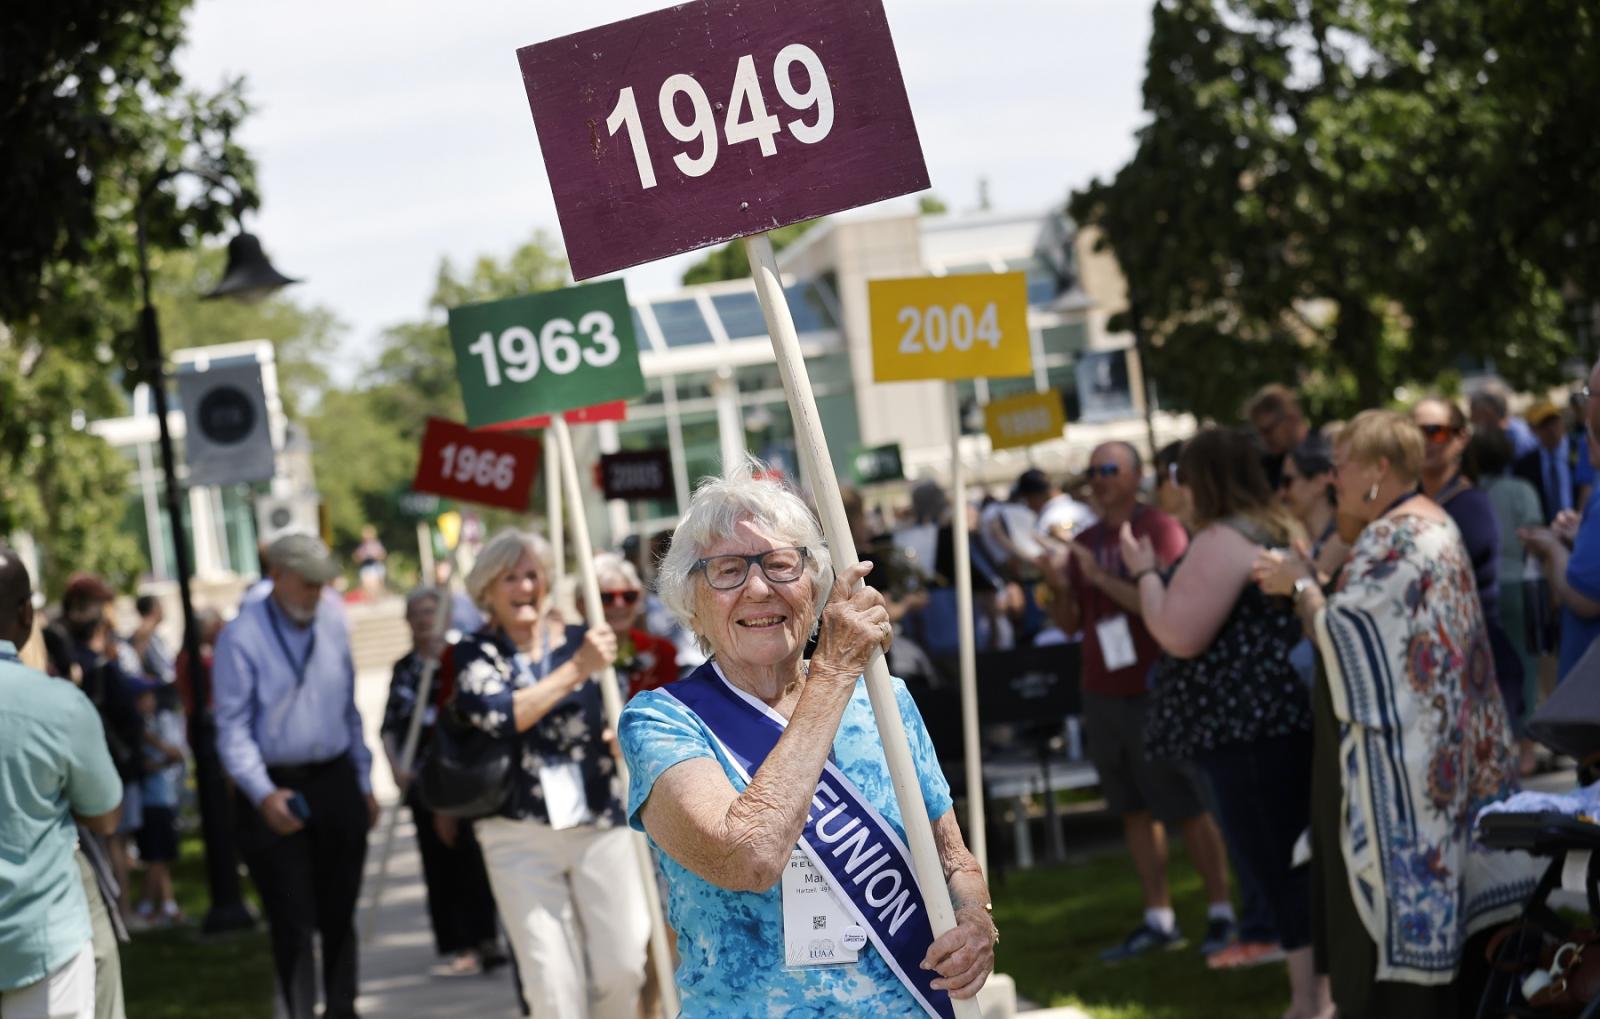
{"x":1054,"y":921}
{"x":174,"y":973}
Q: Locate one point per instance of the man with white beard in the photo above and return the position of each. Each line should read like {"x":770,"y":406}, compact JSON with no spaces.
{"x":289,"y":735}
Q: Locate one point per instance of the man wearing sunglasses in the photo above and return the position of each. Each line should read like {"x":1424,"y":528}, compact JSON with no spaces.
{"x":1093,"y":592}
{"x":1274,"y":412}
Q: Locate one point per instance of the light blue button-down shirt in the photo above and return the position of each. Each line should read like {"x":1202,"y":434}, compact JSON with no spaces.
{"x":53,"y":764}
{"x":272,"y":712}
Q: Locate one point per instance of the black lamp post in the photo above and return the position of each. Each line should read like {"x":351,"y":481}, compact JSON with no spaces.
{"x":249,"y":277}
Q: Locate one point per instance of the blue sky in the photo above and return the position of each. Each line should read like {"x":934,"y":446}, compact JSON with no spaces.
{"x":392,"y":134}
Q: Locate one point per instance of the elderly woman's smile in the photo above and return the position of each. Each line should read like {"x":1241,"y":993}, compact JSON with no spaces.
{"x":759,"y":622}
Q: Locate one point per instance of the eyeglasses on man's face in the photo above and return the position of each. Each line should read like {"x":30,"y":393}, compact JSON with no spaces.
{"x":1104,"y":470}
{"x":778,"y":565}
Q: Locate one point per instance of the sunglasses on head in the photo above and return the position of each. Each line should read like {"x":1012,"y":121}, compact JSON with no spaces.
{"x":1438,"y":434}
{"x":1104,"y":471}
{"x":619,"y":597}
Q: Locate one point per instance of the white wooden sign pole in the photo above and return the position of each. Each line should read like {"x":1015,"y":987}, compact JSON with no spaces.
{"x":836,"y":528}
{"x":553,"y":510}
{"x":660,"y":950}
{"x":977,"y":830}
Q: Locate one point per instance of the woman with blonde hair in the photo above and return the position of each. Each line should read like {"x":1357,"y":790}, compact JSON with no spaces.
{"x":1411,"y":739}
{"x":559,"y":857}
{"x":1227,"y":696}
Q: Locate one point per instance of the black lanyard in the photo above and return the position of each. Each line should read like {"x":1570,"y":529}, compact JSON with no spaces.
{"x":1452,"y":488}
{"x":283,"y":643}
{"x":1403,"y":498}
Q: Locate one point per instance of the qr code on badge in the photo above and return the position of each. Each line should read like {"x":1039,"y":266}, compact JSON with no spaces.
{"x":819,"y":923}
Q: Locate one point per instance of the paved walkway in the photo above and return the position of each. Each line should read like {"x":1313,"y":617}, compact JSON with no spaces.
{"x":397,"y":956}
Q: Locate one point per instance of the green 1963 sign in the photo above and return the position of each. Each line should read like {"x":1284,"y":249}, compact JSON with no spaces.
{"x":545,"y":353}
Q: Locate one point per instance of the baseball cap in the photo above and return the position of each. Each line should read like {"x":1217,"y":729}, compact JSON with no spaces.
{"x":305,"y":555}
{"x":1541,"y":412}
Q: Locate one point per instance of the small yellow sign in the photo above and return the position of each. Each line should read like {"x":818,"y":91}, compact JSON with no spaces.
{"x":1024,"y":420}
{"x":450,"y":527}
{"x":950,"y":327}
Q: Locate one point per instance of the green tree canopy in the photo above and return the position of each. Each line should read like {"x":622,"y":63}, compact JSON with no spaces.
{"x":92,"y":114}
{"x":1353,"y":196}
{"x":729,"y":262}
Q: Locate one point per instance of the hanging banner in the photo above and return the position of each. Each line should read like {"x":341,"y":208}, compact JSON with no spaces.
{"x":546,"y":352}
{"x":483,"y":467}
{"x":717,"y":119}
{"x":950,"y":327}
{"x":226,"y":438}
{"x":1024,"y":420}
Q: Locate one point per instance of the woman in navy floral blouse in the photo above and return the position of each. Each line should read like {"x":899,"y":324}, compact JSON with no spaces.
{"x":557,"y":852}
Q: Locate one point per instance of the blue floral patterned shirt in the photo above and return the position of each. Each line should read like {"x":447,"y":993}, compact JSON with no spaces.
{"x":489,"y":670}
{"x":731,"y":943}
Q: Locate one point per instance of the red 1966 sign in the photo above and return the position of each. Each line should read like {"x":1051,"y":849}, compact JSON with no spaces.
{"x":482,"y":467}
{"x":716,"y":119}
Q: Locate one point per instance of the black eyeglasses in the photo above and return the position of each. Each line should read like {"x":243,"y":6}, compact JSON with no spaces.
{"x":619,"y":597}
{"x":778,"y":565}
{"x":1104,"y":471}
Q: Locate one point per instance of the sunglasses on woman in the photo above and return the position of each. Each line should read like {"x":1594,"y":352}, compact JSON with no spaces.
{"x":619,"y":597}
{"x":1438,"y":434}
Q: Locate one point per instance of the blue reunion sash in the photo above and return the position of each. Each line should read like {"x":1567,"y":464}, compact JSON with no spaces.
{"x":845,"y":837}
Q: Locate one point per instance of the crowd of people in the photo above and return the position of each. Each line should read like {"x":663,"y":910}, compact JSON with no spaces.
{"x":1311,"y":653}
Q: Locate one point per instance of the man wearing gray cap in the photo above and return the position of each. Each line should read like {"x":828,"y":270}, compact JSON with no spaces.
{"x":289,"y":735}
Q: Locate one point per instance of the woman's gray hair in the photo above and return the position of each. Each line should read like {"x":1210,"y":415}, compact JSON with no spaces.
{"x":610,"y":566}
{"x":423,"y":594}
{"x":718,"y":506}
{"x":500,"y":555}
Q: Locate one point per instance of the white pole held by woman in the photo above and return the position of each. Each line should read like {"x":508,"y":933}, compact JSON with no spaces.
{"x":553,"y":510}
{"x":813,"y":447}
{"x":660,"y":951}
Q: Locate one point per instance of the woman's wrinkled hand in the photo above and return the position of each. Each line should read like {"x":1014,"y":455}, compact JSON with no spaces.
{"x":855,"y":628}
{"x":963,"y":957}
{"x":598,"y":651}
{"x":1276,"y":572}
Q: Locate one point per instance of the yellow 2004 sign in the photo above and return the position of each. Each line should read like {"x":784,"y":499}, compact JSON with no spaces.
{"x":950,"y":327}
{"x":1024,"y":420}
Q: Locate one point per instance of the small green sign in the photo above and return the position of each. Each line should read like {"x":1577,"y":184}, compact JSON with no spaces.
{"x":878,"y":464}
{"x":545,"y":353}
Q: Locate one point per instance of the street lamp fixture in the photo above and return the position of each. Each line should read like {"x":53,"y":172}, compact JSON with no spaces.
{"x":249,"y":277}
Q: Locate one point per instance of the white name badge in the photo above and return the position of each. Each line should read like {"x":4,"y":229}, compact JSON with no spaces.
{"x":1116,"y":643}
{"x":817,"y":930}
{"x":564,"y":798}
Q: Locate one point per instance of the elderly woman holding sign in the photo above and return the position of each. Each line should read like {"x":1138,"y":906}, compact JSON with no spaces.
{"x":762,"y":780}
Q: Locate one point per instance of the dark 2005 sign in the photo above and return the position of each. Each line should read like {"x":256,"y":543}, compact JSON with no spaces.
{"x":718,"y":119}
{"x":643,"y":474}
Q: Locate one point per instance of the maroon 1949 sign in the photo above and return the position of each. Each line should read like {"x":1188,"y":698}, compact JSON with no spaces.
{"x":718,"y":119}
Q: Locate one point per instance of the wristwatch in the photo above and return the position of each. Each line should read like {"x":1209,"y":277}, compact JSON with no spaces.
{"x":1301,"y":586}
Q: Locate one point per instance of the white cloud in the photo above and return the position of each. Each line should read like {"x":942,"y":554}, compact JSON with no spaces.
{"x":392,"y":134}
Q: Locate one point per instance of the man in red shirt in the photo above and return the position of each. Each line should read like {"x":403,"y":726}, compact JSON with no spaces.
{"x":1094,"y":594}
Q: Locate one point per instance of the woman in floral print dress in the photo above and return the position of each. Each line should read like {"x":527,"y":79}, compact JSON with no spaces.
{"x":1411,"y":740}
{"x":560,"y":861}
